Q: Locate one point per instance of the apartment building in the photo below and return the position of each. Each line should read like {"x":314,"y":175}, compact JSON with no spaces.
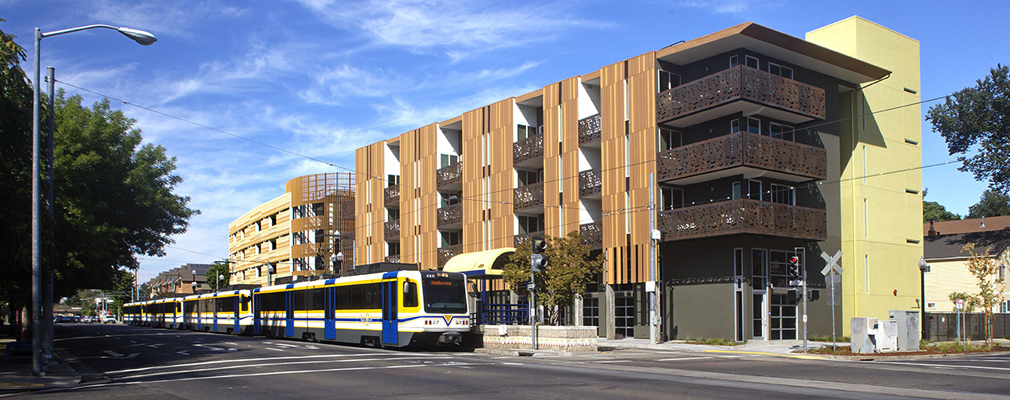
{"x":947,"y":271}
{"x":180,"y":281}
{"x":297,"y":235}
{"x":745,"y":146}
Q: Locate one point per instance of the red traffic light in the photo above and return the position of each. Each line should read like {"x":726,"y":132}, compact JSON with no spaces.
{"x":794,"y":260}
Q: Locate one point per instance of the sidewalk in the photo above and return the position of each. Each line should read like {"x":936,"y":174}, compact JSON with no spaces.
{"x":17,"y":376}
{"x":783,"y":348}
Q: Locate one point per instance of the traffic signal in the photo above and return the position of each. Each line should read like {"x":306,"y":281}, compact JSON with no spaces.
{"x":538,"y":262}
{"x":794,"y":267}
{"x":794,"y":295}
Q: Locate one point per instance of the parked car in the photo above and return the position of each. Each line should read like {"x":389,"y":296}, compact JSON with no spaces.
{"x":109,"y":319}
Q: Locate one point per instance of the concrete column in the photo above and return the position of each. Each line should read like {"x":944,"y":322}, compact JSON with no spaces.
{"x":607,"y":317}
{"x":577,"y":311}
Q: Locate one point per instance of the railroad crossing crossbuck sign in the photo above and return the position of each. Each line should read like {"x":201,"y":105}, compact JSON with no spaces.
{"x":832,"y":263}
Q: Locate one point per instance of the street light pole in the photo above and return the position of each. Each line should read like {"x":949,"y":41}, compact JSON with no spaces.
{"x":142,"y":37}
{"x":923,"y":266}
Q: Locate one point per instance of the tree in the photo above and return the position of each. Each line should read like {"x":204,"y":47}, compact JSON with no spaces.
{"x":991,"y":285}
{"x":992,"y":204}
{"x":978,"y":118}
{"x":220,"y":268}
{"x":969,"y":302}
{"x":569,"y":269}
{"x":933,"y":211}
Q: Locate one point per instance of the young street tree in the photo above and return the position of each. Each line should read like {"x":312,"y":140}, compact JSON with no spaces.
{"x":569,"y":269}
{"x":990,"y":285}
{"x":978,"y":118}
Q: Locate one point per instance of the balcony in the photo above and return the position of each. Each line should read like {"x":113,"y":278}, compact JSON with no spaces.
{"x":518,"y":240}
{"x":393,"y":258}
{"x":733,"y":154}
{"x":391,"y":196}
{"x":527,"y":150}
{"x":451,"y":174}
{"x":392,"y":230}
{"x":592,"y":234}
{"x":589,"y":129}
{"x":743,"y":216}
{"x":589,"y":183}
{"x":528,"y":196}
{"x":790,"y":100}
{"x":448,"y":252}
{"x":450,"y":215}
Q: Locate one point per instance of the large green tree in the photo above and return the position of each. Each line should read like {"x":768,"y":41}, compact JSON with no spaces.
{"x":221,"y":269}
{"x":992,"y":204}
{"x":114,"y":195}
{"x":934,"y":212}
{"x":977,"y":120}
{"x":570,"y":267}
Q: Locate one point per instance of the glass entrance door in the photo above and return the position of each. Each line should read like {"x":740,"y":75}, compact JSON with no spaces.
{"x":760,"y":315}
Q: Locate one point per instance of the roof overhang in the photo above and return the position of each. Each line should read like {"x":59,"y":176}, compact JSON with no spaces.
{"x":775,"y":44}
{"x":480,"y":263}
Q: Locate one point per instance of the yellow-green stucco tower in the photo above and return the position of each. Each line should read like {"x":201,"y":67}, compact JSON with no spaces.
{"x":880,"y":185}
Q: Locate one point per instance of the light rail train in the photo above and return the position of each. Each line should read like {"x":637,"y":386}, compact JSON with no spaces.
{"x":389,"y":309}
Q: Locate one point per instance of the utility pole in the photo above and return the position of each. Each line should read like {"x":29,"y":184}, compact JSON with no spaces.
{"x":651,"y":286}
{"x":800,"y":253}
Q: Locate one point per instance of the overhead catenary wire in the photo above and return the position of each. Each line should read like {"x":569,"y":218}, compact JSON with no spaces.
{"x":483,"y":197}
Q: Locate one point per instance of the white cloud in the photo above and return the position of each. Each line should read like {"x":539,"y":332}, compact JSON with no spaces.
{"x":404,"y":114}
{"x":735,"y":7}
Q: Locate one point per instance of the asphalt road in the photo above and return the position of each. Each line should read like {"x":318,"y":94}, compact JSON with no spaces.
{"x":124,"y":362}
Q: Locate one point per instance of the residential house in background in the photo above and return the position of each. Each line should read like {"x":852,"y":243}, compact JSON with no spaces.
{"x":180,"y":281}
{"x":948,"y":264}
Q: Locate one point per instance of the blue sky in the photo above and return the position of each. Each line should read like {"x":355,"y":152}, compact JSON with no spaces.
{"x":322,"y":78}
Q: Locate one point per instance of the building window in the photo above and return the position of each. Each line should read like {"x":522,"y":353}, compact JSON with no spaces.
{"x":754,"y":125}
{"x":393,"y":248}
{"x":529,"y":177}
{"x":737,"y":190}
{"x":392,"y":214}
{"x":779,"y":70}
{"x":526,"y":131}
{"x":930,"y":305}
{"x":759,"y":268}
{"x":392,"y":180}
{"x":298,"y":238}
{"x":449,"y":159}
{"x":450,"y":238}
{"x":783,"y":194}
{"x":530,"y":224}
{"x":668,"y":80}
{"x":734,"y":126}
{"x":448,"y":199}
{"x":734,"y":61}
{"x":781,"y":131}
{"x":670,"y":198}
{"x":751,"y":61}
{"x":754,"y":190}
{"x":668,"y":139}
{"x":591,"y":311}
{"x":738,"y":262}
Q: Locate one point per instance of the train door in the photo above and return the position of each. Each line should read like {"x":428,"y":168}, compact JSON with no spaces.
{"x":329,"y":320}
{"x":214,"y":316}
{"x":390,"y":311}
{"x":289,"y":315}
{"x":257,"y":306}
{"x":238,"y":306}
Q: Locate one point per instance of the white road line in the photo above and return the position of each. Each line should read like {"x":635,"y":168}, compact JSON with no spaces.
{"x":271,"y":364}
{"x":112,"y":353}
{"x":685,"y":358}
{"x":273,"y":373}
{"x":271,"y":348}
{"x":942,"y":365}
{"x":613,"y":361}
{"x":153,"y":346}
{"x":238,"y":360}
{"x":184,"y":353}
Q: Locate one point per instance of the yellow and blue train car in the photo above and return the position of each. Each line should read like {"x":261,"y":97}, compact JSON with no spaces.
{"x":224,"y":312}
{"x":390,"y":309}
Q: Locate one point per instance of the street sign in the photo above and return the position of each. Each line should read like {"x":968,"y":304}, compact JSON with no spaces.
{"x":832,"y":262}
{"x":959,"y":304}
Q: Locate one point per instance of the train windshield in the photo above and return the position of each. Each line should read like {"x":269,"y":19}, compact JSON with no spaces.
{"x":444,"y":293}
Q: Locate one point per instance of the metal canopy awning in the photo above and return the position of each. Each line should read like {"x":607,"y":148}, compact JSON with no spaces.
{"x":480,"y":263}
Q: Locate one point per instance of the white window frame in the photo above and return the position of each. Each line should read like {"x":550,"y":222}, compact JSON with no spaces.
{"x":671,"y":78}
{"x":734,"y":60}
{"x":758,"y":121}
{"x":786,"y":132}
{"x":747,"y":62}
{"x":780,"y":70}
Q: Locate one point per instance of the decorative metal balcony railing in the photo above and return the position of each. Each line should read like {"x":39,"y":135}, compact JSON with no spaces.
{"x":450,"y":215}
{"x":742,"y":149}
{"x":527,"y":149}
{"x":743,"y":216}
{"x":592,"y":234}
{"x":448,"y":252}
{"x":518,"y":240}
{"x":395,"y":258}
{"x":393,"y":229}
{"x":528,"y":196}
{"x":391,"y":195}
{"x":449,"y":174}
{"x":740,"y":83}
{"x":589,"y":129}
{"x":589,"y":182}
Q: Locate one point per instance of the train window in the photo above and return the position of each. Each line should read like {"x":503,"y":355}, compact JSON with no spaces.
{"x":299,"y":297}
{"x":359,"y":297}
{"x":410,"y":294}
{"x":315,"y":299}
{"x":272,"y":302}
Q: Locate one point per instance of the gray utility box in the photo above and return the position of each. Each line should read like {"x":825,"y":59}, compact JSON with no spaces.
{"x":872,"y":336}
{"x":908,"y":329}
